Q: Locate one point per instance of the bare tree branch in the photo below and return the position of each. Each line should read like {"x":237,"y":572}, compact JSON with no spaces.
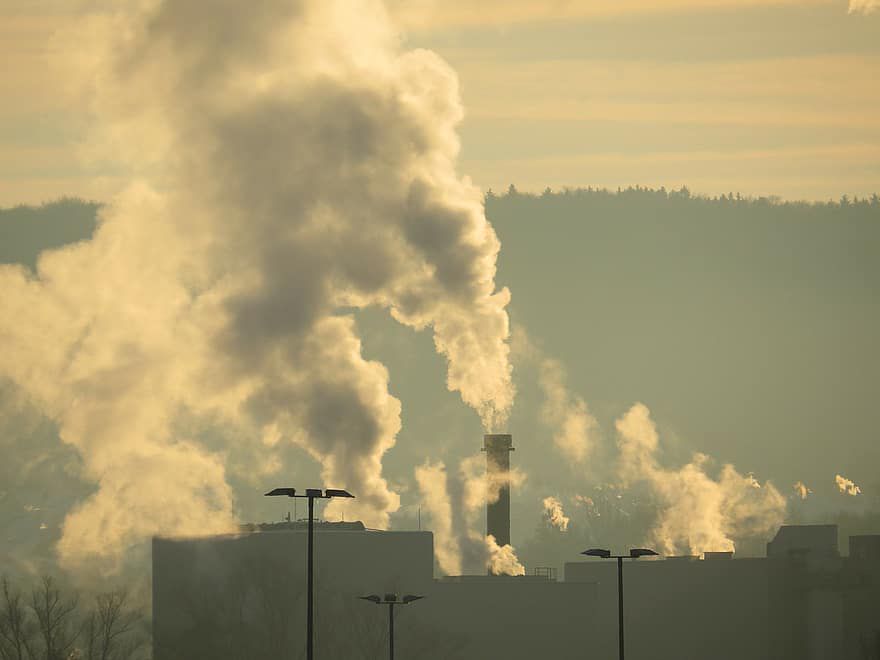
{"x":16,"y":628}
{"x":55,"y":619}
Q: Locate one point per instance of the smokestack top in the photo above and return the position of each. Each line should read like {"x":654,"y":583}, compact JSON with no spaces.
{"x":497,"y":441}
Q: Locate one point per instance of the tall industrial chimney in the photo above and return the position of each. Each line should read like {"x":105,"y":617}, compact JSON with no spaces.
{"x":498,"y":448}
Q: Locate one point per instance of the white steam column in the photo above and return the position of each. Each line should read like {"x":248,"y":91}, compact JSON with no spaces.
{"x":498,"y":447}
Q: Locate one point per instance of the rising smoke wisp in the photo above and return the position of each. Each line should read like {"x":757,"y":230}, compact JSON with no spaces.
{"x":434,"y":489}
{"x":566,"y":413}
{"x":289,"y":162}
{"x":801,"y":490}
{"x":697,"y":513}
{"x":846,"y":486}
{"x":554,"y":514}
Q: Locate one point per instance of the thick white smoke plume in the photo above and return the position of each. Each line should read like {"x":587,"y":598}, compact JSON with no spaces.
{"x":456,"y":506}
{"x":291,"y":163}
{"x":801,"y":490}
{"x":554,"y":514}
{"x":846,"y":486}
{"x":698,"y":513}
{"x":863,"y":6}
{"x":566,"y":413}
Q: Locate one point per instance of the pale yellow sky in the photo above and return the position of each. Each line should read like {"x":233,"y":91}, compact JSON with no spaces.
{"x":765,"y":98}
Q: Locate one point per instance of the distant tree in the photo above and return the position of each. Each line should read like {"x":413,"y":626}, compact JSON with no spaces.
{"x":51,"y":626}
{"x":55,"y":615}
{"x":109,"y":630}
{"x":17,"y":632}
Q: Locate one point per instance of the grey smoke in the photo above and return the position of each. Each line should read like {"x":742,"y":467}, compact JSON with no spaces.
{"x":289,"y":162}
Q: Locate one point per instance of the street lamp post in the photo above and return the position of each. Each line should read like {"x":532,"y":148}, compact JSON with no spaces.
{"x":311,"y":494}
{"x":391,"y":600}
{"x":635,"y":553}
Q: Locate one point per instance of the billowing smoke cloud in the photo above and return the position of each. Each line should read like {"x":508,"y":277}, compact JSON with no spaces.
{"x":554,"y":514}
{"x":696,"y":512}
{"x":290,"y":162}
{"x":846,"y":486}
{"x":502,"y":558}
{"x":863,"y":6}
{"x":801,"y":490}
{"x":574,"y":427}
{"x":455,"y":506}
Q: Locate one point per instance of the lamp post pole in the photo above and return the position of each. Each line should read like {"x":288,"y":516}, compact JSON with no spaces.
{"x":391,"y":631}
{"x":635,"y":553}
{"x":620,"y":607}
{"x":310,"y":615}
{"x":311,"y":494}
{"x":391,"y":600}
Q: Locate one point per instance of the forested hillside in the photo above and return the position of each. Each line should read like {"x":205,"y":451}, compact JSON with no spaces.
{"x":748,"y":326}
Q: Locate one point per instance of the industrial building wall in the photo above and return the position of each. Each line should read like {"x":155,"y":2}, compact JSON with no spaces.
{"x":861,"y":606}
{"x":682,"y":609}
{"x":244,"y":596}
{"x":509,"y":618}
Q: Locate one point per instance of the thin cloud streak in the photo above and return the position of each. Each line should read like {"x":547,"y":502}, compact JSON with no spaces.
{"x":426,"y":15}
{"x":863,"y":6}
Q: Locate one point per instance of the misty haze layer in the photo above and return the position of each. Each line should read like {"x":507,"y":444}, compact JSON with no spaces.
{"x":622,"y":239}
{"x":293,"y":164}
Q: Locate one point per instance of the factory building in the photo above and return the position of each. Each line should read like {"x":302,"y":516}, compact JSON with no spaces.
{"x":698,"y":608}
{"x":802,"y":601}
{"x":243,"y":596}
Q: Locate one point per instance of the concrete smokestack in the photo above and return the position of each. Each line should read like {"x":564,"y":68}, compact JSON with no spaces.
{"x":498,"y":448}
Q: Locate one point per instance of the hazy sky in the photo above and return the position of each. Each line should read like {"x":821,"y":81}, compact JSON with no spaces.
{"x":747,"y":95}
{"x":288,"y":172}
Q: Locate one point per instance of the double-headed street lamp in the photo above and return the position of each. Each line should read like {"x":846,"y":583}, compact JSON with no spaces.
{"x":391,"y":600}
{"x":311,"y":494}
{"x":635,"y":553}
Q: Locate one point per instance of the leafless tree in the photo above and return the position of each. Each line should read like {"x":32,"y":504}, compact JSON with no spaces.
{"x":50,"y":625}
{"x":110,"y":631}
{"x":56,"y":620}
{"x":17,"y":631}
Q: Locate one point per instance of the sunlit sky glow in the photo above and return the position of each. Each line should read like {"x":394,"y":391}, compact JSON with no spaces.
{"x":764,"y":98}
